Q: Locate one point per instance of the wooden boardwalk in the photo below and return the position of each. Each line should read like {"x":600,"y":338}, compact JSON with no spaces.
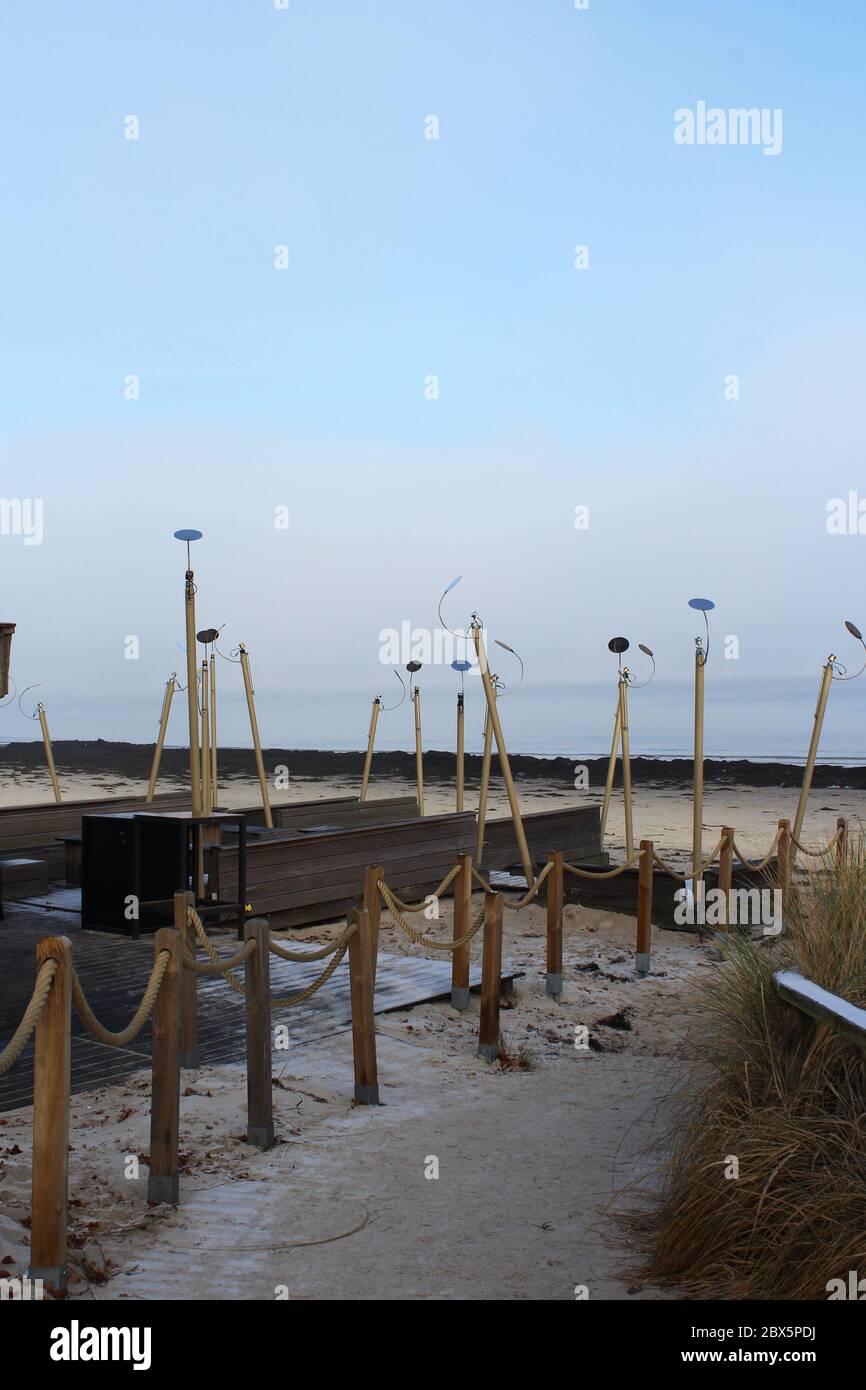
{"x":114,"y":970}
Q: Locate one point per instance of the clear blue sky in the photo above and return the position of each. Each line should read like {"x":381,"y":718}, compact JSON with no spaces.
{"x":409,"y":256}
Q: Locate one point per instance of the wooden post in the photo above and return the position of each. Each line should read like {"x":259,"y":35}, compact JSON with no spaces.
{"x":460,"y":957}
{"x":257,"y":980}
{"x":373,"y":905}
{"x":726,"y":874}
{"x":491,"y":978}
{"x":162,"y":1184}
{"x":51,"y":1120}
{"x":555,"y":895}
{"x":189,"y":982}
{"x":842,"y":842}
{"x":643,"y":943}
{"x":783,"y":859}
{"x":361,"y":978}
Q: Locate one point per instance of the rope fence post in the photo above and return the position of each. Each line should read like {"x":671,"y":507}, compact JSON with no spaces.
{"x":643,"y":942}
{"x":257,"y":982}
{"x":361,"y":984}
{"x":783,"y":860}
{"x":491,"y":978}
{"x":555,"y":897}
{"x":842,"y":842}
{"x":726,"y":875}
{"x":189,"y":984}
{"x":372,"y":902}
{"x":51,"y":1072}
{"x":162,"y":1183}
{"x":460,"y":957}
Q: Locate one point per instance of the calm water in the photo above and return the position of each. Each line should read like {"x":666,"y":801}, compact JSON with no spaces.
{"x":749,"y":719}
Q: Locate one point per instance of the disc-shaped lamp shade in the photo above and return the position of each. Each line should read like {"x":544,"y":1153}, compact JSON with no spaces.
{"x":208,"y":634}
{"x":854,"y":631}
{"x":187,"y":535}
{"x":618,"y":645}
{"x":646,"y":651}
{"x":703,"y":605}
{"x":452,"y":585}
{"x":413,"y":666}
{"x":460,"y":665}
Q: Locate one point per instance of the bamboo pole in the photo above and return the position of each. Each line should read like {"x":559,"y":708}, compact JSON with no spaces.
{"x":192,"y":694}
{"x":254,"y":726}
{"x":49,"y":752}
{"x":372,"y":904}
{"x":51,"y":1073}
{"x":419,"y":750}
{"x":611,"y":767}
{"x":817,"y":725}
{"x":784,"y":861}
{"x":491,"y":978}
{"x":626,"y":769}
{"x":643,"y":943}
{"x":257,"y":982}
{"x":698,"y":796}
{"x":503,"y":755}
{"x":460,"y":752}
{"x":163,"y":726}
{"x":460,"y":957}
{"x":726,"y":874}
{"x":206,"y":800}
{"x":162,"y":1183}
{"x":371,"y":739}
{"x":485,"y":783}
{"x":214,"y":789}
{"x":555,"y":895}
{"x":361,"y":984}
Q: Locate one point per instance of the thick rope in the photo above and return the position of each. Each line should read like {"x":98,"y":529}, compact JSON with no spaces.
{"x":419,"y":907}
{"x":756,"y":864}
{"x":817,"y":853}
{"x":611,"y":873}
{"x":683,"y":878}
{"x":418,"y":937}
{"x":289,"y":1000}
{"x":528,"y":895}
{"x":301,"y":957}
{"x":133,"y":1028}
{"x":21,"y":1037}
{"x":214,"y":955}
{"x":220,"y":966}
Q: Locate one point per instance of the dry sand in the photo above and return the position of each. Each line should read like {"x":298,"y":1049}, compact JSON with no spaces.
{"x":536,"y":1166}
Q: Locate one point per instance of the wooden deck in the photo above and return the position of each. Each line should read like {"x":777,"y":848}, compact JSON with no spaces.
{"x":114,"y":970}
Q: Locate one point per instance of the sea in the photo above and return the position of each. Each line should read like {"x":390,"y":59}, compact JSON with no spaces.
{"x":761,"y":720}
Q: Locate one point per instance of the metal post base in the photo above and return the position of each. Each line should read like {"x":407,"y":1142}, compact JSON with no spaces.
{"x":642,"y":964}
{"x":488,"y":1051}
{"x":189,"y":1060}
{"x":554,"y":985}
{"x":460,"y":998}
{"x":55,"y":1275}
{"x":261,"y":1135}
{"x":163,"y":1189}
{"x":367,"y":1095}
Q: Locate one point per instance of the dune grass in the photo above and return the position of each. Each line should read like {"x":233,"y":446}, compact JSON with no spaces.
{"x":781,"y":1101}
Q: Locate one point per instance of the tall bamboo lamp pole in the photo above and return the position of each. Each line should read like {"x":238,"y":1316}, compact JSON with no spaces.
{"x":462,"y":667}
{"x":619,"y":645}
{"x":254,"y":726}
{"x":485,"y":777}
{"x":831,"y":671}
{"x":371,"y":739}
{"x":191,"y":674}
{"x":415,"y":697}
{"x":213,"y":731}
{"x":611,"y":766}
{"x":490,"y":696}
{"x":163,"y":726}
{"x":703,"y":605}
{"x":626,"y":767}
{"x":49,"y":752}
{"x":206,"y":800}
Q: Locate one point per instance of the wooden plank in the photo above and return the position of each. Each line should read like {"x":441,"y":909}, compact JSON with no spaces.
{"x":818,"y":1003}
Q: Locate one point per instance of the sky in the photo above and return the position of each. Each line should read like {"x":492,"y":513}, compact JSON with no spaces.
{"x":309,"y":388}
